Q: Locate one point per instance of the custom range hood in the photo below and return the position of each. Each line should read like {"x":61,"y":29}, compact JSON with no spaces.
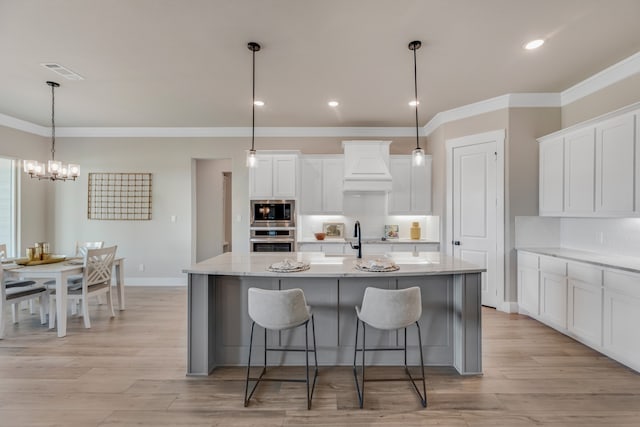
{"x":366,"y":166}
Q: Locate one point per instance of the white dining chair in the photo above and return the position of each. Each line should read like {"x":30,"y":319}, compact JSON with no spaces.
{"x":96,"y":280}
{"x":80,"y":251}
{"x":389,"y":309}
{"x":16,"y":291}
{"x":280,"y":310}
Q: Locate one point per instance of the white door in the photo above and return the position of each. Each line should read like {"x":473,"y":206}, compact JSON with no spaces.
{"x":475,"y":222}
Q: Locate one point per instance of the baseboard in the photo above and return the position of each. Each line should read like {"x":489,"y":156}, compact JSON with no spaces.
{"x":508,"y":306}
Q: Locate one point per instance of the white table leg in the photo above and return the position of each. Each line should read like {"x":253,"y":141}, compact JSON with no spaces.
{"x":61,"y":303}
{"x":120,"y":282}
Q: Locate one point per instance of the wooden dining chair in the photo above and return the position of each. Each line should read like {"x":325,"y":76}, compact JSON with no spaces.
{"x":96,"y":280}
{"x":16,"y":291}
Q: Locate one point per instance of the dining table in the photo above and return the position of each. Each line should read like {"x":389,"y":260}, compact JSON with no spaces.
{"x":61,"y":271}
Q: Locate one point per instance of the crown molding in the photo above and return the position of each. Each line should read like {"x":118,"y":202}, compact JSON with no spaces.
{"x":620,"y":71}
{"x":23,"y":125}
{"x":232,"y":132}
{"x":511,"y":100}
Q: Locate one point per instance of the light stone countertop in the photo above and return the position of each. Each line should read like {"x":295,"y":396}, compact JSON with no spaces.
{"x":627,"y":263}
{"x":321,"y":265}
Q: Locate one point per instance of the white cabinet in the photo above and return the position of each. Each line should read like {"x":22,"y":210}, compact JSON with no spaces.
{"x":598,"y":306}
{"x":411,"y":186}
{"x":579,"y":172}
{"x":615,"y":166}
{"x":553,"y":291}
{"x":274,"y":177}
{"x":621,"y":337}
{"x":321,"y":181}
{"x":584,"y":303}
{"x":551,"y":176}
{"x":592,"y":169}
{"x":528,"y":284}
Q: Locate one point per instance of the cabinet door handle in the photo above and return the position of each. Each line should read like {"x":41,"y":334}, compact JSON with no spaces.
{"x":456,"y":242}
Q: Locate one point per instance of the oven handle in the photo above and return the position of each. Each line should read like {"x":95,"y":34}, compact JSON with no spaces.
{"x":272,"y":240}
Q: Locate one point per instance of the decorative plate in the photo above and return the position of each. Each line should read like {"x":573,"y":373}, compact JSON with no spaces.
{"x":376,"y":265}
{"x":288,"y":266}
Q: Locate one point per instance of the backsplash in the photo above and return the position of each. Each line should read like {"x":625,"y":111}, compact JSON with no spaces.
{"x":372,"y":225}
{"x":615,"y":236}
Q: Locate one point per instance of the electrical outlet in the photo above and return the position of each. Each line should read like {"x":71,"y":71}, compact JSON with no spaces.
{"x":141,"y":267}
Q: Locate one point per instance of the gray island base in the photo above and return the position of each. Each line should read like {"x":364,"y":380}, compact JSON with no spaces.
{"x":219,"y":325}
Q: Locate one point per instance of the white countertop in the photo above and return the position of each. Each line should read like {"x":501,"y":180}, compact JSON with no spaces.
{"x":321,"y":265}
{"x":627,"y":263}
{"x":366,"y":241}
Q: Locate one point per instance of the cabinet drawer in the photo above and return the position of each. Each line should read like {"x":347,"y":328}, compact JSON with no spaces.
{"x":553,"y":265}
{"x":627,"y":283}
{"x":526,"y":259}
{"x":585,"y":273}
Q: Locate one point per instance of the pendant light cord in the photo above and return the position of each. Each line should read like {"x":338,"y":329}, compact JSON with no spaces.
{"x":253,"y":102}
{"x":415,"y":87}
{"x":253,"y":47}
{"x":53,"y":122}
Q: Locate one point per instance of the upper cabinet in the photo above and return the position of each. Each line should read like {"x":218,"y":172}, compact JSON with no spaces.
{"x":411,"y":186}
{"x":274,"y":177}
{"x":551,"y":177}
{"x":321,"y":180}
{"x":592,"y":169}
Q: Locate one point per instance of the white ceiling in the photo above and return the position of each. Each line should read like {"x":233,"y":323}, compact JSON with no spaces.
{"x":177,"y":63}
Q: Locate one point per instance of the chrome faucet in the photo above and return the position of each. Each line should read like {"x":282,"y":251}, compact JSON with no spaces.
{"x":357,"y":232}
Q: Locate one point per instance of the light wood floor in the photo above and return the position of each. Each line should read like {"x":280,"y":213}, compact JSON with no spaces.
{"x":131,"y":371}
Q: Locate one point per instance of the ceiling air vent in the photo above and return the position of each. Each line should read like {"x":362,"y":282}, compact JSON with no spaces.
{"x":63,"y":71}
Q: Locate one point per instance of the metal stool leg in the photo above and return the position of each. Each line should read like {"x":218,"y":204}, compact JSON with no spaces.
{"x":424,"y":385}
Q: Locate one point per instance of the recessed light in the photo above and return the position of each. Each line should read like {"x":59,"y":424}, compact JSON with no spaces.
{"x":414,"y":103}
{"x":333,"y":103}
{"x":534,"y":44}
{"x":258,"y":103}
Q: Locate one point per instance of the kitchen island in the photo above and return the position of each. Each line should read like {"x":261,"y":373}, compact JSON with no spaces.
{"x":219,"y":325}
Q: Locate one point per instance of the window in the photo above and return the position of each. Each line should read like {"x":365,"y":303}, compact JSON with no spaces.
{"x":8,"y":204}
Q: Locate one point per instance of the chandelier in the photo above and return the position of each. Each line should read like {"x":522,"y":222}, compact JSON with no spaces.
{"x":55,"y":169}
{"x":418,"y":153}
{"x":251,"y":154}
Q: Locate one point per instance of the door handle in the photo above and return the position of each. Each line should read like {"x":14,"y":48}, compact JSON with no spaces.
{"x":456,"y":242}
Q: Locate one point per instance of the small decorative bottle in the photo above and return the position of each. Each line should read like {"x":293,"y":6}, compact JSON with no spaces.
{"x":415,"y":231}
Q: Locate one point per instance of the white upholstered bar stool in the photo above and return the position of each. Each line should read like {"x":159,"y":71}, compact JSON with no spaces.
{"x":389,"y":309}
{"x":280,"y":310}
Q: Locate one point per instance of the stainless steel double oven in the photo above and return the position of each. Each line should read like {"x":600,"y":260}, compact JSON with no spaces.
{"x":273,"y":226}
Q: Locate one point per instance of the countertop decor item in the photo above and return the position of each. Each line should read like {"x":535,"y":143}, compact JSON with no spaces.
{"x":377,"y":265}
{"x":56,"y":170}
{"x":288,"y":266}
{"x":391,"y":231}
{"x":333,"y":230}
{"x":320,"y":236}
{"x":415,"y":230}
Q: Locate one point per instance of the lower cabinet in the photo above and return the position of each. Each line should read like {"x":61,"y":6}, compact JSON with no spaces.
{"x":553,"y":291}
{"x":584,"y":303}
{"x":528,"y":284}
{"x":621,"y":316}
{"x":598,"y":306}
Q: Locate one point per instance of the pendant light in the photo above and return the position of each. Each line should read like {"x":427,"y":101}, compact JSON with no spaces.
{"x":55,"y":170}
{"x":418,"y":153}
{"x":251,"y":154}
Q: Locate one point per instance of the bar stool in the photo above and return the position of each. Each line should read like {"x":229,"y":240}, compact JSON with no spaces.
{"x":389,"y":309}
{"x":280,"y":310}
